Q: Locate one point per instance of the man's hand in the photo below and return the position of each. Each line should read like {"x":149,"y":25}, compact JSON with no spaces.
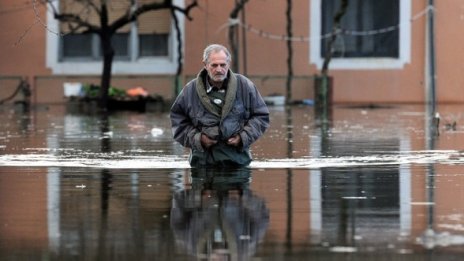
{"x":234,"y":140}
{"x":206,"y":142}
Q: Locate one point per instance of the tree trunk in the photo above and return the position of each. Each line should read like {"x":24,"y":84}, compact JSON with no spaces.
{"x":108,"y":55}
{"x":289,"y":98}
{"x":177,"y":80}
{"x":233,"y":34}
{"x":323,"y":84}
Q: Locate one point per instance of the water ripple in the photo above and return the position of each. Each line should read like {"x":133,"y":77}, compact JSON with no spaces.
{"x":123,"y":160}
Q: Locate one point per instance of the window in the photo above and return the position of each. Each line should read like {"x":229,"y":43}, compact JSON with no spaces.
{"x":150,"y":32}
{"x":77,"y":45}
{"x":145,"y":46}
{"x":153,"y":31}
{"x":356,"y":194}
{"x":87,"y":46}
{"x":364,"y":44}
{"x":153,"y":44}
{"x":363,"y":16}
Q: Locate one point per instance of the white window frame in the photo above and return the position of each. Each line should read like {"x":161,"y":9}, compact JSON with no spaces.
{"x":139,"y":66}
{"x":361,"y":63}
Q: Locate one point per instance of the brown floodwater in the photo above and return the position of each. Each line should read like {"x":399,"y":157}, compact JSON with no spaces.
{"x":381,"y":182}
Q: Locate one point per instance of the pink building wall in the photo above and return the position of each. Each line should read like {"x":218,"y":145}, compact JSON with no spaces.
{"x":23,"y":52}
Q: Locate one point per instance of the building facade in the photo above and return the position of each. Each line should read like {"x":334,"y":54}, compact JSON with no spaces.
{"x":379,"y":54}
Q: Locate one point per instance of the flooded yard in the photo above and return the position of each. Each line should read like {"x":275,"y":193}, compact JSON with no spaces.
{"x":371,"y":182}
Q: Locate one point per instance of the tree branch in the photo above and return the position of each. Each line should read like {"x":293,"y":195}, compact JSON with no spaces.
{"x":238,"y":7}
{"x":166,"y":4}
{"x":336,"y":26}
{"x":75,"y":19}
{"x":186,"y":11}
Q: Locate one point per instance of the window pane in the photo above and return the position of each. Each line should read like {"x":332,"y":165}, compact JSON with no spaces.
{"x":121,"y":44}
{"x":77,"y":45}
{"x":363,"y":16}
{"x":153,"y":44}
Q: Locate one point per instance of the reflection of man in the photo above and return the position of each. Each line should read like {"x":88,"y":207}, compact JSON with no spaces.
{"x":219,"y":217}
{"x":219,"y":114}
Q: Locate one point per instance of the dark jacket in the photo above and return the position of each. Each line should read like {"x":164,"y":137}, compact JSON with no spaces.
{"x":244,"y":113}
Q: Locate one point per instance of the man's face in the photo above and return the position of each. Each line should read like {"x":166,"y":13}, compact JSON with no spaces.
{"x":217,"y":66}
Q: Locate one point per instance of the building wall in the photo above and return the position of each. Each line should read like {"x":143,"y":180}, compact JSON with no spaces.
{"x":393,"y":85}
{"x":22,"y":40}
{"x":23,"y":51}
{"x":450,"y":53}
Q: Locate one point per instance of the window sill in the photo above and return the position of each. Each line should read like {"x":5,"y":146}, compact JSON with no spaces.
{"x":140,"y":67}
{"x":364,"y":63}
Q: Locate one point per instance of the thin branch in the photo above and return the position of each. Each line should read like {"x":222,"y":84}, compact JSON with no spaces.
{"x":233,"y":33}
{"x":167,"y":4}
{"x":37,"y":16}
{"x":179,"y":51}
{"x":21,"y":37}
{"x":37,"y":20}
{"x":72,"y":18}
{"x":74,"y":21}
{"x":186,"y":11}
{"x":238,"y":7}
{"x":91,"y":4}
{"x":179,"y":43}
{"x":131,"y":16}
{"x":336,"y":27}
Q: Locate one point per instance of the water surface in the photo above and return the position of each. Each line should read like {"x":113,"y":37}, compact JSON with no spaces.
{"x":368,"y":183}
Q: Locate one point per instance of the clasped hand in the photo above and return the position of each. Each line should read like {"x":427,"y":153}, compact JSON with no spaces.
{"x":207,"y":142}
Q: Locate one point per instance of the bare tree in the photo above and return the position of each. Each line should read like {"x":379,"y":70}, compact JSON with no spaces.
{"x":233,"y":32}
{"x":76,"y":21}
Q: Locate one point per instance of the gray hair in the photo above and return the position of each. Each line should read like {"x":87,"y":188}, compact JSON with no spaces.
{"x":214,"y":48}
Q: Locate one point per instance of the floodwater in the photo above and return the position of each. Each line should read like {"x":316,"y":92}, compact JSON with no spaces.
{"x":377,"y":182}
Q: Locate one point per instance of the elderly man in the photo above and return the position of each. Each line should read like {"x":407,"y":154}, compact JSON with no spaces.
{"x":219,"y":114}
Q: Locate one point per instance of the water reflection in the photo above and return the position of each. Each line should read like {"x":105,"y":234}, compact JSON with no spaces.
{"x":360,"y":204}
{"x":166,"y":215}
{"x":366,"y":183}
{"x":110,"y":214}
{"x":218,"y":217}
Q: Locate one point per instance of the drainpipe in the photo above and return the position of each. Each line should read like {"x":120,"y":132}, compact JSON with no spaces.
{"x":430,"y":74}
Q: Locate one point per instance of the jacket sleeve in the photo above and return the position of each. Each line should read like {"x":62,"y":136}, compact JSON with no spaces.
{"x":183,"y":129}
{"x":258,"y":120}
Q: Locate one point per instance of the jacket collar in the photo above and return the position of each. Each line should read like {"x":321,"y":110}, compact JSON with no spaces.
{"x":231,"y":91}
